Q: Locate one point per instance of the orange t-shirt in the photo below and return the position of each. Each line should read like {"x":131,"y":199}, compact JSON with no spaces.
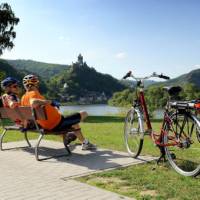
{"x":53,"y":115}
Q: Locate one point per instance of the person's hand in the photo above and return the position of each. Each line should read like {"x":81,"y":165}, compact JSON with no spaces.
{"x":55,"y":103}
{"x":23,"y":130}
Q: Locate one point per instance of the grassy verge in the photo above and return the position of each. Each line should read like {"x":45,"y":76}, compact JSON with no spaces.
{"x":143,"y":182}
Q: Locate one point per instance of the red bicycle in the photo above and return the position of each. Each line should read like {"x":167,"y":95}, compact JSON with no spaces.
{"x":179,"y":137}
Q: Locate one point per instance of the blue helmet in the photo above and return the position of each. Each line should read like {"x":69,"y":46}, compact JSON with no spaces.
{"x":8,"y":81}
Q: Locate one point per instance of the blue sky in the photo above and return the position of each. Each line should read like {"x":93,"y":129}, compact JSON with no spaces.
{"x":113,"y":36}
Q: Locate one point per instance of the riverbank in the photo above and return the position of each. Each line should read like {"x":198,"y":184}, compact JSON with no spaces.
{"x":103,"y":110}
{"x":81,"y":104}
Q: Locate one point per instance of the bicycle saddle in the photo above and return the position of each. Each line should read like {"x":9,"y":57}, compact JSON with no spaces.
{"x":173,"y":90}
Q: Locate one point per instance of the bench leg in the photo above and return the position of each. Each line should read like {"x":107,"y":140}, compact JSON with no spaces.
{"x":68,"y":150}
{"x":1,"y":139}
{"x":56,"y":156}
{"x":37,"y":147}
{"x":26,"y":138}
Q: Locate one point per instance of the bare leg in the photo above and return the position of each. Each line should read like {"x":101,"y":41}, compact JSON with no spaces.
{"x":84,"y":115}
{"x":78,"y":133}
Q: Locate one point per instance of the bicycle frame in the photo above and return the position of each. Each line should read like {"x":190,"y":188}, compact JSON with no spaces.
{"x":157,"y":138}
{"x":145,"y":110}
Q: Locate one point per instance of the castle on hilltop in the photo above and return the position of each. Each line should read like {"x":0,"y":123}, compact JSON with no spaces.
{"x":79,"y":61}
{"x":89,"y":96}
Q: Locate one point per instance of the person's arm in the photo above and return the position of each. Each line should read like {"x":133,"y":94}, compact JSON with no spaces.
{"x":12,"y":101}
{"x":13,"y":104}
{"x":39,"y":102}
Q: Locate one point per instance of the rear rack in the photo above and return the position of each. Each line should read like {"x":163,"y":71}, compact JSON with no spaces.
{"x":183,"y":104}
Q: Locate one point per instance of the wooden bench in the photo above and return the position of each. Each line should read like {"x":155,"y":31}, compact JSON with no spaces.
{"x":27,"y":113}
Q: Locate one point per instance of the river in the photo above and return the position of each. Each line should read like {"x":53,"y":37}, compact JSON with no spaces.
{"x":102,"y":110}
{"x":96,"y":110}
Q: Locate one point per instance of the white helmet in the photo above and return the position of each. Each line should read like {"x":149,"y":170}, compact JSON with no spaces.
{"x":30,"y":80}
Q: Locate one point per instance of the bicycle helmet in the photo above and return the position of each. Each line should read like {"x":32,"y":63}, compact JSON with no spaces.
{"x":30,"y":80}
{"x":8,"y":82}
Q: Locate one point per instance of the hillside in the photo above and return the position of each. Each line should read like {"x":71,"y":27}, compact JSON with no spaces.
{"x":8,"y":70}
{"x":192,"y":77}
{"x":76,"y":83}
{"x":80,"y":83}
{"x":84,"y":84}
{"x":156,"y":97}
{"x":45,"y":70}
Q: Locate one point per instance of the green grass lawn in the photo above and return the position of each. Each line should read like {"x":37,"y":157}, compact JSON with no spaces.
{"x":147,"y":181}
{"x":105,"y":131}
{"x":144,"y":181}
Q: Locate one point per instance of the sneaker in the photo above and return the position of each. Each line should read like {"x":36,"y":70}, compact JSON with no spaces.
{"x":88,"y":146}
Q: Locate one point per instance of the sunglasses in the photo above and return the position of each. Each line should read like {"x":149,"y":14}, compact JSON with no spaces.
{"x":14,"y":86}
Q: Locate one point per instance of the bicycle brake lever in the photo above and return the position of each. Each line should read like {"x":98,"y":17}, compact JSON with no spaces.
{"x":127,"y":75}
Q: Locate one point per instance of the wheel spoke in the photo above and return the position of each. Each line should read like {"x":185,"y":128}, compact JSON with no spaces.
{"x":132,"y":134}
{"x":184,"y":131}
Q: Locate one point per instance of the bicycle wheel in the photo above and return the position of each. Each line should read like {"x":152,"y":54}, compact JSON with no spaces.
{"x":182,"y":138}
{"x":133,"y":134}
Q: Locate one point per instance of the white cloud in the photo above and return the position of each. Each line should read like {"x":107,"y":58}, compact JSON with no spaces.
{"x":61,"y":37}
{"x":121,"y":55}
{"x":197,"y":66}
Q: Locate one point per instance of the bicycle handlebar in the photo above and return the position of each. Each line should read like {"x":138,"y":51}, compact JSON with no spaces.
{"x":129,"y":74}
{"x":164,"y":77}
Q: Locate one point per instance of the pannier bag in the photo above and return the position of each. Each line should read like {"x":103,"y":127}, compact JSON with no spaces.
{"x":197,"y":105}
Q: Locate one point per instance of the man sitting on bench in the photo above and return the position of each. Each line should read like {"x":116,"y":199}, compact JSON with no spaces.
{"x":55,"y":121}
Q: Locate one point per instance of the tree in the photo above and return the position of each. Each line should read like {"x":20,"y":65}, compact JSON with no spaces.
{"x":7,"y":22}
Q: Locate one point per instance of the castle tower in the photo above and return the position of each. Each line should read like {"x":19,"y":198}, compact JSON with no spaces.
{"x":80,"y":59}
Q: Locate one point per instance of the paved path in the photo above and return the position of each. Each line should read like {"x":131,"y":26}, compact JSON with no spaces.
{"x":24,"y":178}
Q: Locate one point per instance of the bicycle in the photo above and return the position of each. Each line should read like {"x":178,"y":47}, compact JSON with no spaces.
{"x":179,"y":137}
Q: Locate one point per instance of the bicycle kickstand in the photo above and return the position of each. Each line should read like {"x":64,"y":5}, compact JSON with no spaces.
{"x":162,"y":156}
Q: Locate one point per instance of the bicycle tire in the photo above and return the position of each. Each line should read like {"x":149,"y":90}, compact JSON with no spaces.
{"x":133,"y":136}
{"x":183,"y":156}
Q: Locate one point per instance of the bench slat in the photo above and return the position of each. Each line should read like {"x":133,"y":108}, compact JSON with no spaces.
{"x":23,"y":113}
